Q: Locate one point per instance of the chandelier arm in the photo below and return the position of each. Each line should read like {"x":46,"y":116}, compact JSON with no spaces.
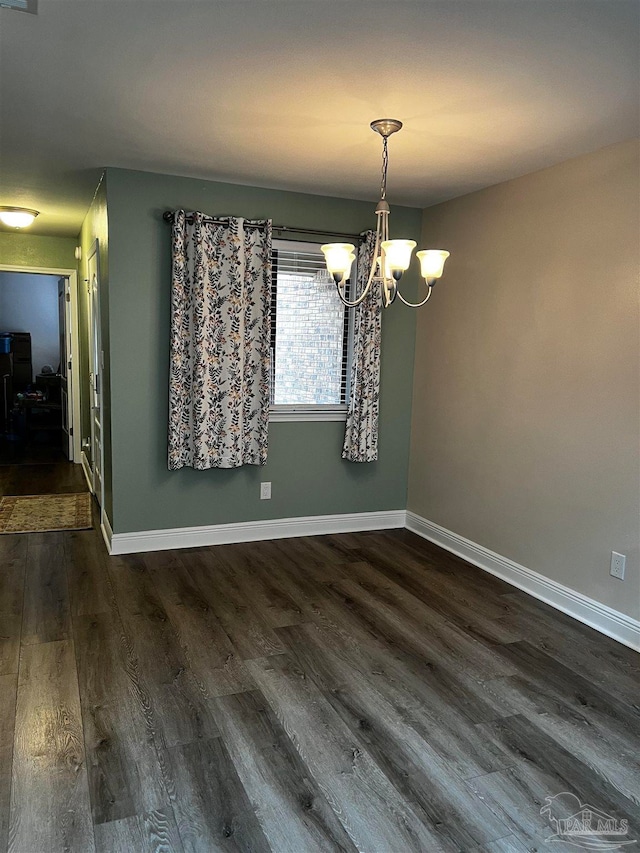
{"x":348,"y":302}
{"x":353,"y":304}
{"x":416,"y":304}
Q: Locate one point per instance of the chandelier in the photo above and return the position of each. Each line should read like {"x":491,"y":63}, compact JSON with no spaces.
{"x":390,"y":257}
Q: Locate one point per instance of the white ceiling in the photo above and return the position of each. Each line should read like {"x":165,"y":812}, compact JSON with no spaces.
{"x":280,"y":94}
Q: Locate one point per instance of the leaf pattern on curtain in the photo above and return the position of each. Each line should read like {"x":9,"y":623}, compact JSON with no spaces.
{"x":361,"y":431}
{"x":220,"y":327}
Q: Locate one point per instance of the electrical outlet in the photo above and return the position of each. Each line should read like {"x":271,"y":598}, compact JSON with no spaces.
{"x":265,"y":491}
{"x":617,"y":565}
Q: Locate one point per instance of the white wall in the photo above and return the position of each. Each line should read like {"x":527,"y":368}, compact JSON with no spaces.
{"x":29,"y":303}
{"x":525,"y":433}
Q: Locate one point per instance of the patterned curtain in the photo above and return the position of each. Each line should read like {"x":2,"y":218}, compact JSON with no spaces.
{"x":361,"y":433}
{"x":220,"y":316}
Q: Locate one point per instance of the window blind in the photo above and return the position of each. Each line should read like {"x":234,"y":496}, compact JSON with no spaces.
{"x":309,"y":330}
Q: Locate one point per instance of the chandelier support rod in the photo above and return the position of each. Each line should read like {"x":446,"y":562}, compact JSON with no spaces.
{"x":385,"y":166}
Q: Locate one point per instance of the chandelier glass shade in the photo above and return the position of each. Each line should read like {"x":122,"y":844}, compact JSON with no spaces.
{"x":391,"y":258}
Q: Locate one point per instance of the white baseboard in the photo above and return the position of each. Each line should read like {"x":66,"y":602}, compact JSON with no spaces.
{"x":87,"y":470}
{"x":107,"y":532}
{"x":252,"y":531}
{"x":611,"y":622}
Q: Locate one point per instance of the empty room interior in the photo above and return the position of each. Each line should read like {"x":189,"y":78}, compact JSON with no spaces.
{"x":319,"y":426}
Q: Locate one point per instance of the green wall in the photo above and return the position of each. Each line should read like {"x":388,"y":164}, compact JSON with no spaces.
{"x":304,"y":466}
{"x":95,"y":227}
{"x":32,"y":250}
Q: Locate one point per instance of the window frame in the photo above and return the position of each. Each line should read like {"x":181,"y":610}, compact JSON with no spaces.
{"x":318,"y":412}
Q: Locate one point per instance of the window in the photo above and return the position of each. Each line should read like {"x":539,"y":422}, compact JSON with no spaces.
{"x":310,"y":337}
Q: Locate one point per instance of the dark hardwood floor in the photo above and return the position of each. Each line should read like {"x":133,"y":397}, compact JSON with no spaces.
{"x":41,"y":478}
{"x":40,"y":448}
{"x":356,"y":692}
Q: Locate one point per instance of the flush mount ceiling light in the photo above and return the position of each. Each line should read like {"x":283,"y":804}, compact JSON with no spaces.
{"x":391,"y":257}
{"x":17,"y":217}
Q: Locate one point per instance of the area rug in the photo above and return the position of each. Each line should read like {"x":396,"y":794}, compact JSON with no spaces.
{"x":39,"y":513}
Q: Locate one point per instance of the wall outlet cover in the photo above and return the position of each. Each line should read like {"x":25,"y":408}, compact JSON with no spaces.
{"x":617,"y":565}
{"x":265,"y":491}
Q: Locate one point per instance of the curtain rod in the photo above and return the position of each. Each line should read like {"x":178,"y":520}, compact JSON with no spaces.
{"x":168,"y":217}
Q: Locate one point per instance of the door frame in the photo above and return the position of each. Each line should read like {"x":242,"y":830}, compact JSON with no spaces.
{"x":72,"y":275}
{"x":94,"y":316}
{"x":66,"y":347}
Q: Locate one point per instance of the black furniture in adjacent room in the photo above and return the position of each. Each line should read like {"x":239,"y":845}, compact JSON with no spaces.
{"x":22,"y":366}
{"x":6,"y":389}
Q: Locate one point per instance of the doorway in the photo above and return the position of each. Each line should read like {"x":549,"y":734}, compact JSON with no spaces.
{"x":39,"y":387}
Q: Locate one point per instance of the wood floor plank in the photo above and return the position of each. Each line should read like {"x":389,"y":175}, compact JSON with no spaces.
{"x":419,"y":633}
{"x":347,"y":544}
{"x":177,"y":711}
{"x":399,"y":741}
{"x":517,"y":800}
{"x":541,"y":768}
{"x":552,"y":678}
{"x":409,"y":547}
{"x":438,"y":559}
{"x":371,"y":810}
{"x":125,"y":777}
{"x":50,"y":809}
{"x":581,"y":720}
{"x":46,"y":600}
{"x":87,"y":573}
{"x":292,"y":810}
{"x":250,"y":566}
{"x":314,"y":556}
{"x":406,"y":673}
{"x":291,"y":573}
{"x":247,"y":628}
{"x":43,"y":479}
{"x":413,"y":551}
{"x":461,"y":597}
{"x":433,"y":703}
{"x":212,"y":810}
{"x":489,"y":622}
{"x":8,"y":688}
{"x":5,"y":479}
{"x":611,"y":665}
{"x":152,"y":832}
{"x":602,"y":754}
{"x":214,"y":662}
{"x":426,"y":642}
{"x":508,"y":844}
{"x":13,"y":560}
{"x":388,"y":592}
